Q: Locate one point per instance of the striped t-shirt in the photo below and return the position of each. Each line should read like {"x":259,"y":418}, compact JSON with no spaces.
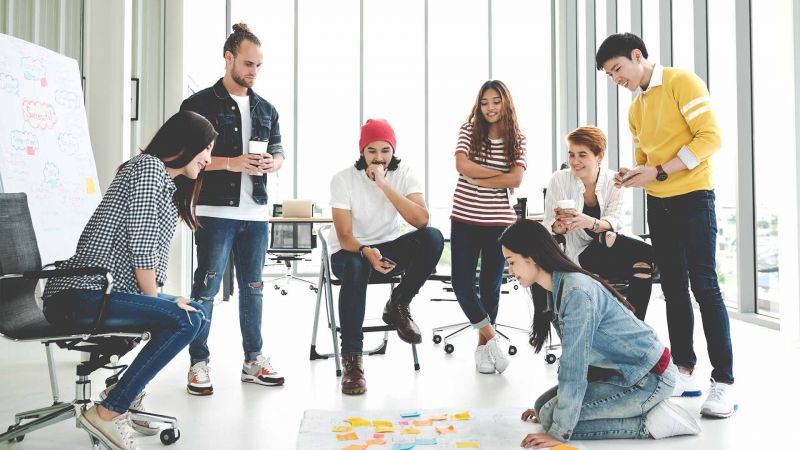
{"x":476,"y":205}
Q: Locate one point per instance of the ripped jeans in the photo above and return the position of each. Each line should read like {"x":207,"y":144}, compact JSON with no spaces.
{"x":215,"y":238}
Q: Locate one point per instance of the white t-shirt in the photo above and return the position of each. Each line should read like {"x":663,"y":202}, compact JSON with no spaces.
{"x":375,"y":219}
{"x":248,"y":209}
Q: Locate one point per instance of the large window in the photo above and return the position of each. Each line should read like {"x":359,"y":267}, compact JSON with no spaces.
{"x":205,"y":36}
{"x":683,"y":34}
{"x":624,"y":99}
{"x":773,"y":140}
{"x":721,"y":83}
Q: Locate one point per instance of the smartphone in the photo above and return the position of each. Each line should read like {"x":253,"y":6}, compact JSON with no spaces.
{"x":387,"y":260}
{"x":628,"y":175}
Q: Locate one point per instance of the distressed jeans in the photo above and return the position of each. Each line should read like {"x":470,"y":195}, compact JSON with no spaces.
{"x":215,"y":238}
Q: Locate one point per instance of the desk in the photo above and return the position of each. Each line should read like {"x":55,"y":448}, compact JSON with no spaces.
{"x":227,"y":278}
{"x":536,"y":217}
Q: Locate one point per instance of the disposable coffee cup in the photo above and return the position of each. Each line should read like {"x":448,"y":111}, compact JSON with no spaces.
{"x":259,"y":147}
{"x":566,"y":204}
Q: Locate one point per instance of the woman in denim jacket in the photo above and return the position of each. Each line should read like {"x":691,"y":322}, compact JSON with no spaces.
{"x":615,"y":377}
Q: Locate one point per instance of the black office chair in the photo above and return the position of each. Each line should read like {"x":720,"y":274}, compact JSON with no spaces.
{"x":289,"y":244}
{"x":22,"y":320}
{"x":326,"y":282}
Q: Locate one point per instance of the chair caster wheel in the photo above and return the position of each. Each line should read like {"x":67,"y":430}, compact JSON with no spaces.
{"x":512,"y":350}
{"x":311,"y":288}
{"x":276,"y":287}
{"x":16,"y":439}
{"x":437,"y":339}
{"x":169,"y":436}
{"x":550,"y":358}
{"x":516,"y":287}
{"x":283,"y":292}
{"x":449,"y":349}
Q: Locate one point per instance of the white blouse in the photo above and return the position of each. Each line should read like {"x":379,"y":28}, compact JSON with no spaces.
{"x":565,"y":185}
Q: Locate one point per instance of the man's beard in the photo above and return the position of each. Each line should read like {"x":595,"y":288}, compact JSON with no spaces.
{"x":241,"y":81}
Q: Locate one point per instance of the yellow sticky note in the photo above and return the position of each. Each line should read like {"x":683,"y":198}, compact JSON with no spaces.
{"x":355,"y":447}
{"x":423,"y":423}
{"x":462,"y":416}
{"x":358,"y":422}
{"x":439,"y":417}
{"x":341,"y":428}
{"x":469,"y":444}
{"x":563,"y":447}
{"x":381,"y":423}
{"x":443,"y":430}
{"x":376,"y":442}
{"x":90,"y":189}
{"x":384,"y":430}
{"x":410,"y":431}
{"x":347,"y":437}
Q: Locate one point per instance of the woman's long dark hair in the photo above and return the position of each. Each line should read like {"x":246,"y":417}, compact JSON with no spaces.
{"x":182,"y":137}
{"x":532,"y":240}
{"x":509,"y":128}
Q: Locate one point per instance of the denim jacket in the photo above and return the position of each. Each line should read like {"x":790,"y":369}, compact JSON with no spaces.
{"x":221,"y":187}
{"x":595,"y":330}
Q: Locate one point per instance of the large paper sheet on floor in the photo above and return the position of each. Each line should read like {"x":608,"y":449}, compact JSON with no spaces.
{"x":45,"y":149}
{"x":496,"y":429}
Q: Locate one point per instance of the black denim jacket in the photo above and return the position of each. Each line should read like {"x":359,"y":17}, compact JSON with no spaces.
{"x":221,"y":187}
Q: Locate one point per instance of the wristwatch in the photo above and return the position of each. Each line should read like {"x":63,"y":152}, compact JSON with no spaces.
{"x":662,"y":176}
{"x":361,"y":250}
{"x":596,"y":226}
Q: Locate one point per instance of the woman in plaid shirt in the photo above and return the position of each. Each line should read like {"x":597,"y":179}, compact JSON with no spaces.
{"x":129,"y":234}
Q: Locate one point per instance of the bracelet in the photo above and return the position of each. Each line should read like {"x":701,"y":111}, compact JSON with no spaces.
{"x":361,"y":250}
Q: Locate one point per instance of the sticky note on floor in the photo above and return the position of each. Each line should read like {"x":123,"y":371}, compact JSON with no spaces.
{"x":426,"y":441}
{"x":439,"y":417}
{"x":409,"y":414}
{"x":403,"y":422}
{"x":90,"y":189}
{"x":377,"y":436}
{"x":355,"y":447}
{"x":423,"y":423}
{"x":358,"y":422}
{"x":403,"y":445}
{"x":461,"y":416}
{"x":342,"y":428}
{"x":410,"y":431}
{"x":384,"y":430}
{"x":376,"y":442}
{"x":469,"y":444}
{"x":346,"y":437}
{"x":563,"y":447}
{"x":443,"y":430}
{"x":381,"y":423}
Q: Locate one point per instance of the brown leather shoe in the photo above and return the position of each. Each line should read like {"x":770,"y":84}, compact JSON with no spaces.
{"x":399,"y":316}
{"x":353,"y":381}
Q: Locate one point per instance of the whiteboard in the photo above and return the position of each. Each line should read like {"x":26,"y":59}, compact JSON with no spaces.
{"x":45,"y":150}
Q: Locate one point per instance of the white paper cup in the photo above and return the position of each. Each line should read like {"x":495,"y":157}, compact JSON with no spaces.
{"x":259,"y":147}
{"x":566,"y":204}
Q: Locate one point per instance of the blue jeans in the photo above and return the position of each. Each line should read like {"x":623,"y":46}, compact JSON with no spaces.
{"x":416,"y":255}
{"x":609,"y":411}
{"x":683,"y":230}
{"x":467,"y":243}
{"x":171,"y":329}
{"x":215,"y":238}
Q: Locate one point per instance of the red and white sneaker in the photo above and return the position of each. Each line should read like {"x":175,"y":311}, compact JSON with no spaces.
{"x":261,"y":372}
{"x":200,"y":380}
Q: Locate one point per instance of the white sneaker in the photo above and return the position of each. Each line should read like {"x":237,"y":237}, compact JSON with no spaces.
{"x":142,"y":426}
{"x":686,"y":386}
{"x":199,"y":382}
{"x":498,"y":353}
{"x":720,"y":401}
{"x":667,"y":419}
{"x":483,"y":362}
{"x":261,"y":372}
{"x":115,"y":434}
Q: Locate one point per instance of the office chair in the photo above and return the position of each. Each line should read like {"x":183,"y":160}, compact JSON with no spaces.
{"x":326,"y":282}
{"x":289,"y":243}
{"x":22,"y":320}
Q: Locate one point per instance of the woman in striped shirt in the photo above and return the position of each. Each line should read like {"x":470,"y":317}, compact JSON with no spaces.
{"x":490,"y":159}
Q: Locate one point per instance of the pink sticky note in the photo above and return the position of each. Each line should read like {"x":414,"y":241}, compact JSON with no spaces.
{"x":404,"y":422}
{"x":43,"y":82}
{"x":378,"y":435}
{"x":30,"y":150}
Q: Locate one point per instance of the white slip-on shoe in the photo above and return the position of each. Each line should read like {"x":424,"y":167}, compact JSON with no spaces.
{"x":483,"y":361}
{"x":498,"y":353}
{"x":667,"y":419}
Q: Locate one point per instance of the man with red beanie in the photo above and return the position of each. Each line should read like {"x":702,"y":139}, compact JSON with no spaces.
{"x":369,"y":199}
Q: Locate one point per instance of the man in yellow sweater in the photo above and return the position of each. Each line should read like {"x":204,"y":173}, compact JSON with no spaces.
{"x":675,"y":133}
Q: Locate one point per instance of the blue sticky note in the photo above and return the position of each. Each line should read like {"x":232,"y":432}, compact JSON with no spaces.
{"x":403,"y":445}
{"x":409,"y":414}
{"x":426,"y":441}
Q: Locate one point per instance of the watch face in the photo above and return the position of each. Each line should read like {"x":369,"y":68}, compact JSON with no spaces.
{"x":661,"y":176}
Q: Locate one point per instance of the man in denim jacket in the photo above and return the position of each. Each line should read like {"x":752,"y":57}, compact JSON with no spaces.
{"x":232,"y":207}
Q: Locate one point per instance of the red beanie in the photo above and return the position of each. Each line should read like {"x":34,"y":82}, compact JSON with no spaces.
{"x":376,"y":130}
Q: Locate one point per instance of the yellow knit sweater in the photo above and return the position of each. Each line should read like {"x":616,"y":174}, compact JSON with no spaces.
{"x":669,"y":117}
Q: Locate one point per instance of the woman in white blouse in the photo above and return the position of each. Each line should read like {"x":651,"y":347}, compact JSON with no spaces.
{"x":590,"y":224}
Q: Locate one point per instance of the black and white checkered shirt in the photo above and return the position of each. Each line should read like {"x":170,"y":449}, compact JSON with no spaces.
{"x":130,"y":229}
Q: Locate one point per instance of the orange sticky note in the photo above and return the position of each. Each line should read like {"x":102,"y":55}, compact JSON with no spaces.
{"x":376,"y":442}
{"x":563,"y":447}
{"x":423,"y":423}
{"x":410,"y":431}
{"x":341,"y":428}
{"x":468,"y":444}
{"x":443,"y":430}
{"x":462,"y":416}
{"x":439,"y":417}
{"x":347,"y":437}
{"x":355,"y":447}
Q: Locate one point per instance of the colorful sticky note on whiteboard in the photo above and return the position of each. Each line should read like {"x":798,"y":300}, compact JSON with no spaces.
{"x":563,"y":447}
{"x":358,"y":422}
{"x":461,"y":416}
{"x":346,"y":437}
{"x":90,"y":186}
{"x":468,"y":444}
{"x":341,"y":428}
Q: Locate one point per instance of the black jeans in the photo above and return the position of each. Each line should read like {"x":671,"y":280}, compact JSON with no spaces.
{"x":683,"y":230}
{"x":616,"y":263}
{"x":416,"y":255}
